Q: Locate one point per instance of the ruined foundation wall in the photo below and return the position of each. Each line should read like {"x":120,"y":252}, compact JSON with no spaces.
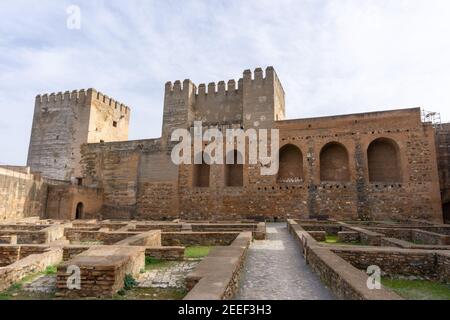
{"x":22,"y":195}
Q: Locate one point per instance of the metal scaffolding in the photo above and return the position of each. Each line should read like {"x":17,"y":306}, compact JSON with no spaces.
{"x":432,"y":117}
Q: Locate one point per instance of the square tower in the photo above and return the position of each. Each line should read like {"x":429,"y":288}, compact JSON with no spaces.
{"x":63,"y":122}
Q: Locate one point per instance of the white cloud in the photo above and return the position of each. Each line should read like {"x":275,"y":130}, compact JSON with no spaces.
{"x":333,"y":57}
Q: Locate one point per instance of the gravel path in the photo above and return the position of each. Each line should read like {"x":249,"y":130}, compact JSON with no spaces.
{"x":275,"y":270}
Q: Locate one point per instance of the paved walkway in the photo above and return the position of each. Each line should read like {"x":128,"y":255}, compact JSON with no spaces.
{"x":275,"y":270}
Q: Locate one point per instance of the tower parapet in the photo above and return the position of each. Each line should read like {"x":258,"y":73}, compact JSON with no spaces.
{"x":62,"y":122}
{"x":256,"y":99}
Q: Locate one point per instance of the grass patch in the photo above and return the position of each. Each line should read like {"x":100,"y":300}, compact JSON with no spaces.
{"x":152,"y":263}
{"x":418,"y":289}
{"x":50,"y":270}
{"x":151,"y":294}
{"x":196,"y":252}
{"x":333,"y":239}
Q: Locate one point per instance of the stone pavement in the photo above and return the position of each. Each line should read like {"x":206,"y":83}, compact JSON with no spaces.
{"x":42,"y":284}
{"x":172,"y":276}
{"x":276,"y":270}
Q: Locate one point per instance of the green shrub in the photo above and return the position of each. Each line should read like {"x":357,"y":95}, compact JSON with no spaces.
{"x":129,"y":282}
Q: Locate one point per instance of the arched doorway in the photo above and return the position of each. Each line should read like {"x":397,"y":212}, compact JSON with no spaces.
{"x":79,"y":211}
{"x":446,"y":212}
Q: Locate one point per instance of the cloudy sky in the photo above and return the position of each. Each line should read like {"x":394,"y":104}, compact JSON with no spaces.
{"x":333,"y":57}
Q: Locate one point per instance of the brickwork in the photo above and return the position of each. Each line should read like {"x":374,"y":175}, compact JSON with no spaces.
{"x":103,"y":271}
{"x":372,"y":166}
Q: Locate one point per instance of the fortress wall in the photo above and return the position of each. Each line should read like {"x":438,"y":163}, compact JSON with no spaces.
{"x":62,"y":202}
{"x":22,"y":195}
{"x":416,"y":195}
{"x":443,"y":158}
{"x":443,"y":148}
{"x":137,"y":177}
{"x":109,"y":119}
{"x":219,"y":104}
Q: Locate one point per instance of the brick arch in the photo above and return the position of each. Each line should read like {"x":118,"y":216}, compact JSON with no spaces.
{"x":290,"y":164}
{"x":383,"y":158}
{"x":200,"y":178}
{"x":234,"y":173}
{"x":334,"y":163}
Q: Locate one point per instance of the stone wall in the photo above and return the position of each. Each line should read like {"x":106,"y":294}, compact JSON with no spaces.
{"x":198,"y":238}
{"x":107,"y":238}
{"x":139,"y":180}
{"x":216,"y":276}
{"x":344,"y":280}
{"x":14,"y":272}
{"x":443,"y":158}
{"x":103,"y":270}
{"x":165,"y":253}
{"x":62,"y":122}
{"x":63,"y":200}
{"x":22,"y":194}
{"x":443,"y":266}
{"x":393,"y":262}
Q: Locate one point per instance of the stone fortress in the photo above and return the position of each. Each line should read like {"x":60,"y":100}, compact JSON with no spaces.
{"x":377,"y":183}
{"x":369,"y":166}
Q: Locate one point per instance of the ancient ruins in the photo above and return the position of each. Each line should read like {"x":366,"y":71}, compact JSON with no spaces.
{"x":94,"y":215}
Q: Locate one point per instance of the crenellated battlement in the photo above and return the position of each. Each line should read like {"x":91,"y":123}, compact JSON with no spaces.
{"x":222,"y":88}
{"x":80,"y":96}
{"x":258,"y":75}
{"x":110,"y":101}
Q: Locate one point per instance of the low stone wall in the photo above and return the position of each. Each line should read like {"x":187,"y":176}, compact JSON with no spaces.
{"x":69,"y":252}
{"x":150,"y":238}
{"x":165,"y":227}
{"x":398,"y":233}
{"x":10,"y":239}
{"x":330,"y":229}
{"x":345,"y":281}
{"x":348,"y":236}
{"x":165,"y":253}
{"x":430,"y":238}
{"x":9,"y":255}
{"x":108,"y":238}
{"x":33,"y":263}
{"x":27,"y":237}
{"x":103,"y":270}
{"x":216,"y":276}
{"x":392,"y":262}
{"x":198,"y":238}
{"x":318,"y":235}
{"x":443,"y":266}
{"x":366,"y":237}
{"x":393,"y":242}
